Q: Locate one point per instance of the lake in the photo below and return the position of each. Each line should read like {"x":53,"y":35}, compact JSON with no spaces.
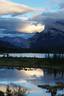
{"x":31,"y":55}
{"x":30,"y":78}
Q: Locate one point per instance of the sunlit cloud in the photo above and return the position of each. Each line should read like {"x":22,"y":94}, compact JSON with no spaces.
{"x":30,"y":28}
{"x":34,"y":72}
{"x":12,"y":25}
{"x":9,"y":7}
{"x":18,"y":22}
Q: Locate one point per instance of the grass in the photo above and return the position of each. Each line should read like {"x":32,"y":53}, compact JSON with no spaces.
{"x":52,"y":63}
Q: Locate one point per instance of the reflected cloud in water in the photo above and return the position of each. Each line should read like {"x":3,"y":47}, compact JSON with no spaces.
{"x":33,"y":72}
{"x":36,"y":76}
{"x":12,"y":75}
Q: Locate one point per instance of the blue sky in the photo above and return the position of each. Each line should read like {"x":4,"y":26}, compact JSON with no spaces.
{"x":48,"y":4}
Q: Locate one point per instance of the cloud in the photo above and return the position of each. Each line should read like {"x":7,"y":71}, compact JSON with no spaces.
{"x":13,"y":25}
{"x":60,"y":3}
{"x":10,"y":24}
{"x":18,"y":23}
{"x":49,"y":16}
{"x":30,"y":28}
{"x":61,"y":6}
{"x":8,"y":7}
{"x":55,"y":15}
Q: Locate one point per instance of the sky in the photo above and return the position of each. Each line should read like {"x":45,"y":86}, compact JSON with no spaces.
{"x":48,"y":4}
{"x":44,"y":5}
{"x":21,"y":12}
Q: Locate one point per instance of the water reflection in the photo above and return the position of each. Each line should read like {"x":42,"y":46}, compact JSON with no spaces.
{"x":31,"y":55}
{"x":30,"y":78}
{"x":31,"y":74}
{"x":14,"y":74}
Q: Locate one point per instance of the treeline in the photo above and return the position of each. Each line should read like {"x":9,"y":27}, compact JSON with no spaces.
{"x":30,"y":50}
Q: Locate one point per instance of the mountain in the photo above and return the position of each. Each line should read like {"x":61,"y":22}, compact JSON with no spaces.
{"x":14,"y":42}
{"x":52,"y":38}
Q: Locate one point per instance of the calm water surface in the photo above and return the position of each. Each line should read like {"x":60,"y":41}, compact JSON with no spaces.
{"x":31,"y":78}
{"x":35,"y":55}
